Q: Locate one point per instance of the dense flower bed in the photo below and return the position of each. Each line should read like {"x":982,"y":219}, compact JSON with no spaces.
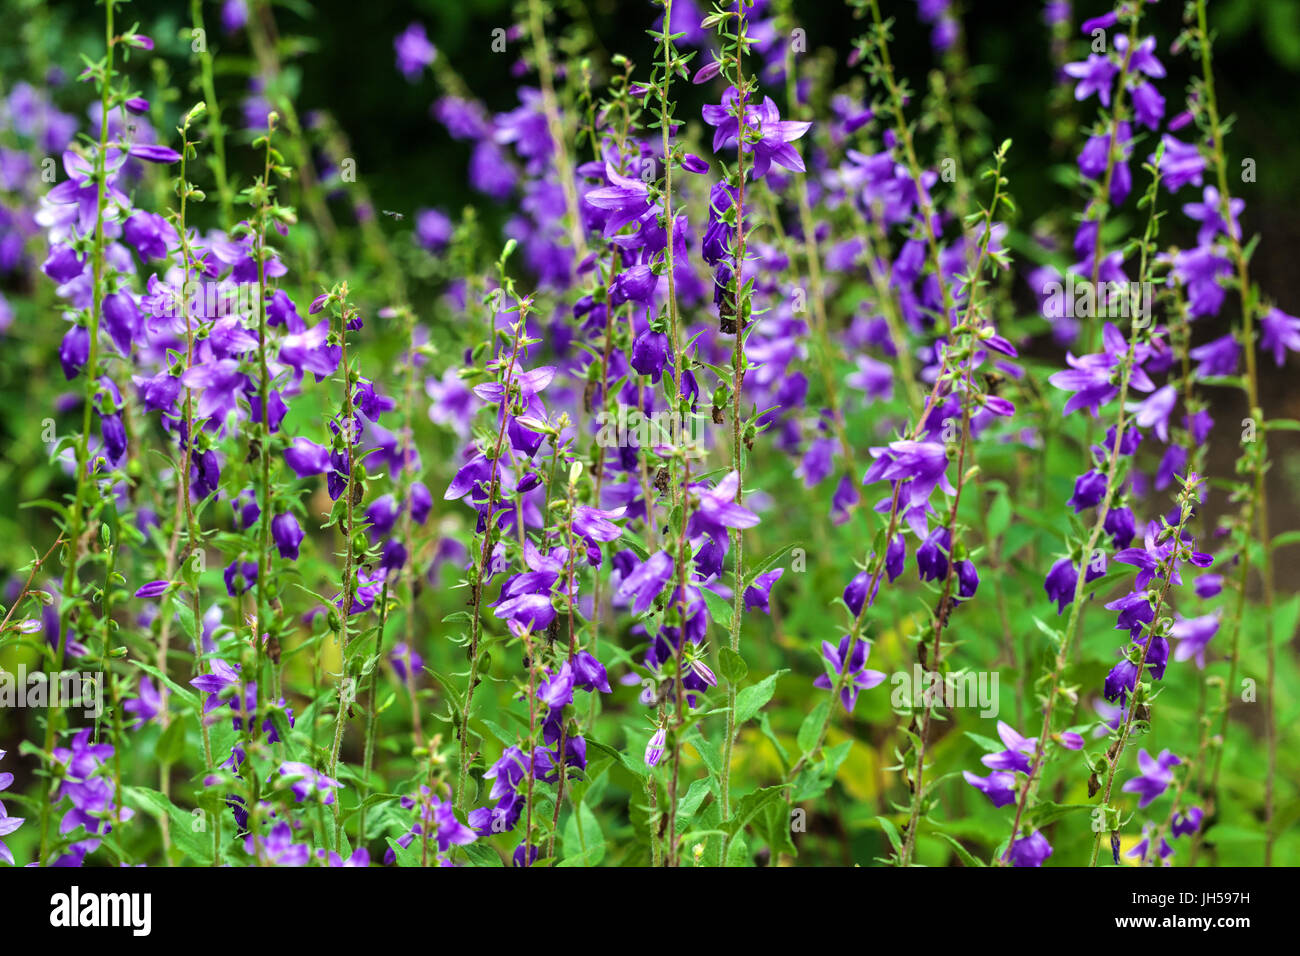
{"x":764,"y":490}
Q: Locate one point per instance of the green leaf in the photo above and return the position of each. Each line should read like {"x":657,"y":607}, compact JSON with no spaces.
{"x":719,"y":609}
{"x":999,"y":516}
{"x":635,"y":765}
{"x":962,"y":853}
{"x":1282,"y":425}
{"x":1056,"y":636}
{"x":171,"y":743}
{"x":774,"y":824}
{"x":817,"y":779}
{"x":408,"y":856}
{"x":689,"y":804}
{"x":752,"y":699}
{"x":1284,"y":539}
{"x":584,"y":843}
{"x":1286,"y":616}
{"x":196,"y":845}
{"x":891,"y":831}
{"x":767,"y":563}
{"x":731,"y":665}
{"x":811,"y":727}
{"x":1043,"y":814}
{"x":482,"y":855}
{"x":185,"y":615}
{"x":765,"y":725}
{"x":751,"y":804}
{"x":989,"y":745}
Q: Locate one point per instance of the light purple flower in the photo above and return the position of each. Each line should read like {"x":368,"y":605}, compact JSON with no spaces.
{"x":1157,"y":773}
{"x":414,"y":51}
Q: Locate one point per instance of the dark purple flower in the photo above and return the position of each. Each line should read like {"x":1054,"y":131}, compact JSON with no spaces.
{"x":998,"y":786}
{"x":1032,"y":850}
{"x":74,"y":351}
{"x":1279,"y":332}
{"x":1181,"y":163}
{"x":306,"y":458}
{"x":650,"y":354}
{"x":758,"y":594}
{"x":858,"y":677}
{"x":240,"y":576}
{"x":968,"y":579}
{"x":1121,"y":681}
{"x":288,"y":535}
{"x":774,"y":134}
{"x":589,"y":673}
{"x":1187,"y":824}
{"x":1121,"y":526}
{"x":1218,"y":357}
{"x":1089,"y":489}
{"x":153,"y":589}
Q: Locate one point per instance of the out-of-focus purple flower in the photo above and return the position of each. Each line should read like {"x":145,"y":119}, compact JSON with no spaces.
{"x":1193,"y":634}
{"x":1094,"y":75}
{"x":147,"y":706}
{"x":432,"y":229}
{"x":1218,"y":357}
{"x":406,"y":662}
{"x":414,"y":51}
{"x":8,"y":824}
{"x":305,"y":781}
{"x":1209,"y":213}
{"x":1279,"y":332}
{"x":1181,"y":163}
{"x":1070,"y":740}
{"x":307,"y":458}
{"x":1188,"y":823}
